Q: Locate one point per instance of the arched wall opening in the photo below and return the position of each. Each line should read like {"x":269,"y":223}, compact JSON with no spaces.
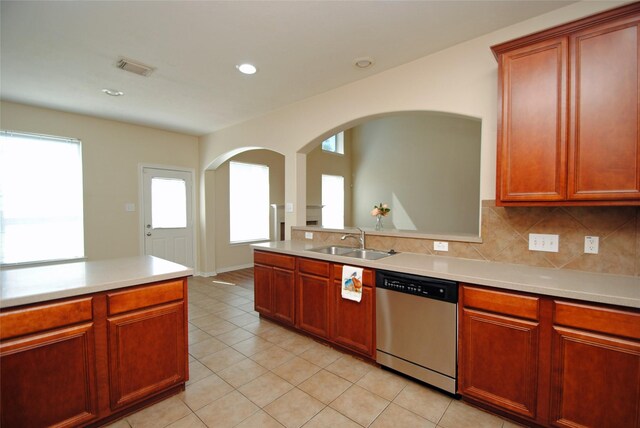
{"x":424,"y":164}
{"x":218,"y":253}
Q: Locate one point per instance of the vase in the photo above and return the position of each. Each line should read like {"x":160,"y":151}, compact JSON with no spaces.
{"x":379,"y":225}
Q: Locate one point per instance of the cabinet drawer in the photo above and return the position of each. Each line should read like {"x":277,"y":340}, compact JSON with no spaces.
{"x":273,"y":259}
{"x":502,"y":303}
{"x":44,"y":317}
{"x":594,"y":318}
{"x":314,"y":267}
{"x":150,"y":295}
{"x":367,"y":275}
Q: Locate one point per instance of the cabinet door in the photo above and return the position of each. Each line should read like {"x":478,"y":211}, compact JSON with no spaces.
{"x":499,"y":361}
{"x":49,"y":379}
{"x":262,"y":285}
{"x":595,"y":380}
{"x":353,"y":321}
{"x":532,"y":128}
{"x":604,"y":143}
{"x":313,"y":297}
{"x":146,"y":352}
{"x":283,"y":295}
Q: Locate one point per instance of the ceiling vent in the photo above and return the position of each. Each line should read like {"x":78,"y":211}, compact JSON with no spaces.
{"x":134,"y":67}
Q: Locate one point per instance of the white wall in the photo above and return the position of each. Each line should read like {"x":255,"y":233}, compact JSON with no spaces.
{"x":461,"y":79}
{"x":111,"y":154}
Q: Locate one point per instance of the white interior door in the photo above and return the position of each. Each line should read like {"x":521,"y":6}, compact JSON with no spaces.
{"x":168,"y":215}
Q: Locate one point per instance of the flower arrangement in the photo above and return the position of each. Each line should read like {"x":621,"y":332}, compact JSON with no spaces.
{"x":381,"y":209}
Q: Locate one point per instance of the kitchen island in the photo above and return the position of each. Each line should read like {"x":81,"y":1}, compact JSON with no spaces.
{"x":87,"y":342}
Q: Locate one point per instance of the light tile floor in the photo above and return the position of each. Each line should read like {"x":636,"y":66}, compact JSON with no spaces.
{"x":249,"y":372}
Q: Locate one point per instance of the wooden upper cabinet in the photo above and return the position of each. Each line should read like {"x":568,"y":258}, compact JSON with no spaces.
{"x":604,"y":150}
{"x":568,"y":123}
{"x":532,"y":140}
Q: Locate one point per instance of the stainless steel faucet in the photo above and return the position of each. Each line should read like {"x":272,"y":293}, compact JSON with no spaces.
{"x":354,"y":236}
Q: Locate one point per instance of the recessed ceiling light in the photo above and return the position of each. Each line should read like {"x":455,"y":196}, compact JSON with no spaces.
{"x":247,"y":68}
{"x":363,"y":62}
{"x":113,"y":92}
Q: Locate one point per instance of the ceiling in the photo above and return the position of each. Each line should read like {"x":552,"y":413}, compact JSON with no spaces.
{"x":61,"y":54}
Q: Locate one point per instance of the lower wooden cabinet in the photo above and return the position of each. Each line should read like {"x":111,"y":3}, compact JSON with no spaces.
{"x":79,"y":361}
{"x":500,"y":340}
{"x":146,"y":352}
{"x":49,"y":379}
{"x":354,"y":322}
{"x":48,"y":365}
{"x":595,"y":377}
{"x":313,"y":288}
{"x":274,"y":286}
{"x":310,"y":295}
{"x":549,"y":362}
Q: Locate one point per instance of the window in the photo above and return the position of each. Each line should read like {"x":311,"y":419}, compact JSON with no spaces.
{"x":248,"y":202}
{"x":334,"y":144}
{"x":168,"y":203}
{"x":333,"y":201}
{"x":40,"y":198}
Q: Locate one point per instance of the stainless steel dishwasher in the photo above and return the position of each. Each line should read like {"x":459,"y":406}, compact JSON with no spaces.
{"x":417,"y":328}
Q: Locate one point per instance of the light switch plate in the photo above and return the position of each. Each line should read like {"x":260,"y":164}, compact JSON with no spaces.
{"x":440,"y":246}
{"x":129,"y":207}
{"x":308,"y":235}
{"x":288,"y":207}
{"x":543,"y":242}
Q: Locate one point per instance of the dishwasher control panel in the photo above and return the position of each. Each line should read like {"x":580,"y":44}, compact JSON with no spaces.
{"x":423,"y":286}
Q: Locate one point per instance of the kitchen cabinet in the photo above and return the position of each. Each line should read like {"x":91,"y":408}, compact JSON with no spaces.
{"x":314,"y":288}
{"x":499,"y":348}
{"x":274,"y":279}
{"x":48,"y":365}
{"x":88,"y":359}
{"x":595,"y":366}
{"x":147,"y":347}
{"x":568,"y":131}
{"x":548,"y":361}
{"x":353,"y":323}
{"x":318,"y":307}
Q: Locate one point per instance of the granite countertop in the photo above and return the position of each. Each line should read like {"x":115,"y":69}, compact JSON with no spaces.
{"x":571,"y":284}
{"x":20,"y":286}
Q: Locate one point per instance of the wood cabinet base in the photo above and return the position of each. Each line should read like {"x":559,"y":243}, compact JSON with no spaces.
{"x":87,"y":360}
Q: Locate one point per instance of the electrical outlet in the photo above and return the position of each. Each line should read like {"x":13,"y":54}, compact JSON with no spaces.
{"x":591,"y":244}
{"x":543,"y":242}
{"x":440,"y":246}
{"x":288,"y":207}
{"x":308,"y":235}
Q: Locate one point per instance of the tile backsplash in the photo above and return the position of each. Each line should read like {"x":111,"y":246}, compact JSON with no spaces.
{"x":505,"y":234}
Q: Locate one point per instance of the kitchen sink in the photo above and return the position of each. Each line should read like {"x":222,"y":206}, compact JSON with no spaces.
{"x":368,"y":254}
{"x":333,"y":249}
{"x":356,"y":253}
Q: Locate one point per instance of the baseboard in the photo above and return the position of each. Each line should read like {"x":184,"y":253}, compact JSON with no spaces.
{"x":232,"y":268}
{"x":205,"y":274}
{"x":223,"y":270}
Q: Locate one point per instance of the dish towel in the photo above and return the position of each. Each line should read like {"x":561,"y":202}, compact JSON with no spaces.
{"x":352,"y":283}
